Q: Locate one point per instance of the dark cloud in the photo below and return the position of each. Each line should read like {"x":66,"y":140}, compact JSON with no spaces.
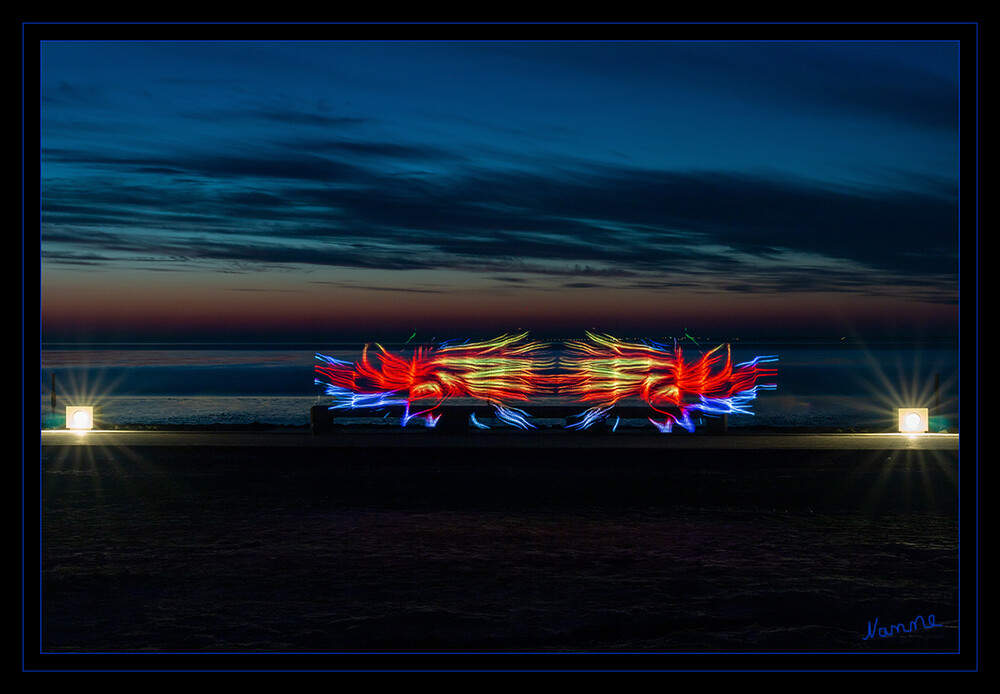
{"x":279,"y":177}
{"x":319,"y":209}
{"x":399,"y":153}
{"x":556,"y":170}
{"x":75,"y":95}
{"x":298,"y":117}
{"x":790,"y":76}
{"x":381,"y":288}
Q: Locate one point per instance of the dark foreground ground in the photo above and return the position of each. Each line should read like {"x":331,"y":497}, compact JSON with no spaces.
{"x":337,"y":556}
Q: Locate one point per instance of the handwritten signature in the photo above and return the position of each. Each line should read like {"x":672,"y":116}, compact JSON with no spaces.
{"x":899,"y":628}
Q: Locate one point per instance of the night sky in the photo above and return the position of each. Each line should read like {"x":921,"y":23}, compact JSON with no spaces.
{"x":201,"y":190}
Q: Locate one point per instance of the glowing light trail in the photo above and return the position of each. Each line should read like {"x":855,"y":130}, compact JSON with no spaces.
{"x":497,"y":371}
{"x":600,"y":371}
{"x":605,"y":370}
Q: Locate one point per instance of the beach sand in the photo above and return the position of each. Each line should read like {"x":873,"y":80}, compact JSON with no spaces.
{"x":340,"y":550}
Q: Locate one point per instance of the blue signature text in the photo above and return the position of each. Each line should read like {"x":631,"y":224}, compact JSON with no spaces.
{"x":900,"y":628}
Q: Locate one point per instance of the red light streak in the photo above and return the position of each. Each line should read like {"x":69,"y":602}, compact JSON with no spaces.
{"x":496,"y":371}
{"x":605,"y":370}
{"x":601,"y":372}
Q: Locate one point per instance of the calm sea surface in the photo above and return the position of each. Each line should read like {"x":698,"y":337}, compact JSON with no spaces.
{"x":818,"y":385}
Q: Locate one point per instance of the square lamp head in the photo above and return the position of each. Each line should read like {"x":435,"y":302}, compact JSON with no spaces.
{"x":79,"y":418}
{"x":913,"y":420}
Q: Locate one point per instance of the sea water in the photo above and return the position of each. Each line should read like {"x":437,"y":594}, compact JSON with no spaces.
{"x":818,"y":384}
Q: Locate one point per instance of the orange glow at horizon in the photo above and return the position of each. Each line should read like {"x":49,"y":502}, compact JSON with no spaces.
{"x":192,"y":303}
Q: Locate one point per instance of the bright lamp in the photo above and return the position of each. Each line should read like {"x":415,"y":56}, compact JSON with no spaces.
{"x":79,"y":418}
{"x":913,"y":420}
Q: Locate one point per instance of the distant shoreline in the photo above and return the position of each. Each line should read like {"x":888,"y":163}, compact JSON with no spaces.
{"x":310,"y":345}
